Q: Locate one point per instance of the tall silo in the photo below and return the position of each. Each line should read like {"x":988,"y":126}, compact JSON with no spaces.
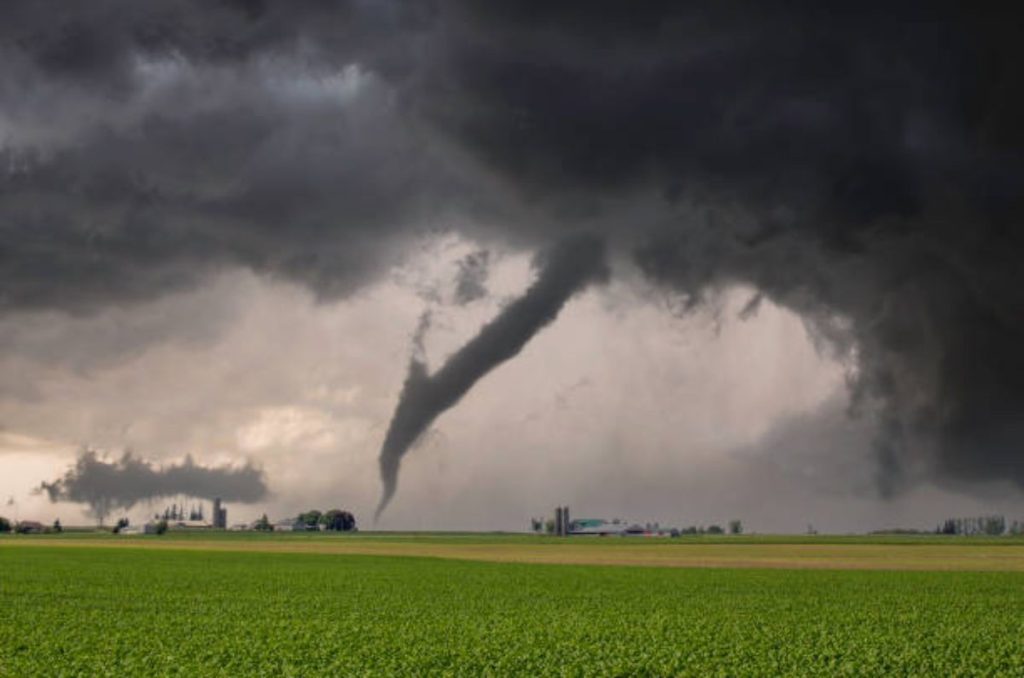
{"x":220,"y":515}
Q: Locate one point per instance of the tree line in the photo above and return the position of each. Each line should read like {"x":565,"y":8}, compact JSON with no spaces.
{"x":987,"y":525}
{"x":335,"y":520}
{"x":29,"y":527}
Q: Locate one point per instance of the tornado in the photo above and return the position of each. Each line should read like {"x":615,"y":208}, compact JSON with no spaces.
{"x":568,"y":267}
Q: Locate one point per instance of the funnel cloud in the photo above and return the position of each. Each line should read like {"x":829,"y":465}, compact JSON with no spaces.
{"x":565,"y":269}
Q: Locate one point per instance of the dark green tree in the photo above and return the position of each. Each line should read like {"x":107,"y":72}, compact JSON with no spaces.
{"x":995,"y":525}
{"x":337,"y":520}
{"x":5,"y":525}
{"x":310,"y":519}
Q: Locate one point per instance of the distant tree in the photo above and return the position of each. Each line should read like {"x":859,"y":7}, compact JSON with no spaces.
{"x":692,"y":529}
{"x":263,"y":524}
{"x":715,"y":529}
{"x":310,"y":519}
{"x":161,"y":526}
{"x":57,"y":527}
{"x":995,"y":525}
{"x":5,"y":525}
{"x":735,"y":527}
{"x":337,"y":520}
{"x":120,"y":525}
{"x":549,"y":526}
{"x":536,"y":524}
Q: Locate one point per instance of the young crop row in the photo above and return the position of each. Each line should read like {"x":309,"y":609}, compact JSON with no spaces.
{"x":100,"y":612}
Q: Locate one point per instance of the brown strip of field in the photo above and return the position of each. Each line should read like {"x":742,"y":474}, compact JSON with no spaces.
{"x":664,"y":554}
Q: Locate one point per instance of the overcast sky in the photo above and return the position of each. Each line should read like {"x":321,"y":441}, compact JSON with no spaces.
{"x":233,"y":231}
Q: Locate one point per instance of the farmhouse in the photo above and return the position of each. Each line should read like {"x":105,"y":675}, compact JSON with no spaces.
{"x":189,"y":525}
{"x":148,"y":528}
{"x":595,"y":526}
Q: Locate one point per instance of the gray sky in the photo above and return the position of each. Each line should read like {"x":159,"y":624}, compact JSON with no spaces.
{"x":620,"y":408}
{"x":222,"y":223}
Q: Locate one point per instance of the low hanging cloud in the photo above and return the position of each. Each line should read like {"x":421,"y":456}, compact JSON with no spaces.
{"x":105,"y":486}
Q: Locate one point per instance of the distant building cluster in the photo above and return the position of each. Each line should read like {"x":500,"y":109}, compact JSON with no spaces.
{"x":175,"y":517}
{"x":562,"y":525}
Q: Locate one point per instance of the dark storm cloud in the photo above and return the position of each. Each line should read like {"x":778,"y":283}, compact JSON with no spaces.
{"x":566,"y":269}
{"x":121,"y":484}
{"x":302,"y":190}
{"x":146,"y":147}
{"x":861,"y":165}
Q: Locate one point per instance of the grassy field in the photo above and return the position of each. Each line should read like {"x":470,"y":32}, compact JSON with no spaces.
{"x":256,"y":605}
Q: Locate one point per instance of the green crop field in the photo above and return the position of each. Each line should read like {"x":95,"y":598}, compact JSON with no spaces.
{"x":76,"y":607}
